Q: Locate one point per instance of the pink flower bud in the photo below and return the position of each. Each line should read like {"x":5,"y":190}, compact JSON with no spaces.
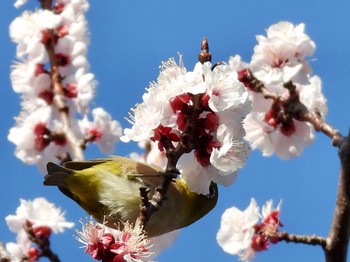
{"x":42,"y":138}
{"x":33,"y":255}
{"x":42,"y":232}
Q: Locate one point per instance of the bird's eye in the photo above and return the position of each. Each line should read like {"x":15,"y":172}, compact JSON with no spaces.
{"x":212,"y":191}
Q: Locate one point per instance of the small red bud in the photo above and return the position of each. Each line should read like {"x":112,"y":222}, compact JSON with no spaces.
{"x":42,"y":232}
{"x":33,"y":254}
{"x":42,"y":136}
{"x":47,"y":95}
{"x":95,"y":133}
{"x":71,"y":90}
{"x":62,"y":59}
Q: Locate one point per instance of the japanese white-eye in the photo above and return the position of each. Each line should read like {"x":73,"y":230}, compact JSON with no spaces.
{"x":109,"y":190}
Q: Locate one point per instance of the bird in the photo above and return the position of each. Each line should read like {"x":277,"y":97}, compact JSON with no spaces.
{"x":109,"y":190}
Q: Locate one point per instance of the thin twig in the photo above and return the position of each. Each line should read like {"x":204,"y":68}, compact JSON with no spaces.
{"x":308,"y":240}
{"x":320,"y":125}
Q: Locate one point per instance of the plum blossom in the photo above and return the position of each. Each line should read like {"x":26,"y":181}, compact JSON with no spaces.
{"x":80,"y":88}
{"x":280,"y":57}
{"x":42,"y":217}
{"x":125,"y":245}
{"x":105,"y":132}
{"x":30,"y":135}
{"x":279,"y":61}
{"x":39,"y":212}
{"x":235,"y":62}
{"x":312,"y":97}
{"x":27,"y":31}
{"x":222,"y":102}
{"x":237,"y":230}
{"x":22,"y":248}
{"x":38,"y":137}
{"x":241,"y":234}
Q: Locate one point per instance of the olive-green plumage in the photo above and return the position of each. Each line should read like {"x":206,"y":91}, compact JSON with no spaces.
{"x":108,"y":189}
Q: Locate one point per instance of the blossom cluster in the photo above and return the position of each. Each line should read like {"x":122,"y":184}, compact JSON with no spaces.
{"x":39,"y":216}
{"x":241,"y":234}
{"x":279,"y":59}
{"x":203,"y":110}
{"x":102,"y":243}
{"x":52,"y":75}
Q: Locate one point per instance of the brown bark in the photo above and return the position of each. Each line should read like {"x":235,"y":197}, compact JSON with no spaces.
{"x":338,"y":240}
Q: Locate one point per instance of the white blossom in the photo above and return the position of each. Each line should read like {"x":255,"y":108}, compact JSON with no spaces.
{"x":27,"y":32}
{"x":27,"y":137}
{"x":237,"y":230}
{"x":267,"y":208}
{"x":19,"y":249}
{"x":106,"y":131}
{"x":242,"y":234}
{"x":312,"y":97}
{"x":271,"y":140}
{"x":224,"y":89}
{"x":280,"y":56}
{"x":39,"y":212}
{"x":236,"y":63}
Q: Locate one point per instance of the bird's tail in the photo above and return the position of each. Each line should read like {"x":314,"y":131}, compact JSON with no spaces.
{"x":56,"y":175}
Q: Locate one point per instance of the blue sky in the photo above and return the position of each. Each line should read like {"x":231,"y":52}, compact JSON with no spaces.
{"x":129,"y":39}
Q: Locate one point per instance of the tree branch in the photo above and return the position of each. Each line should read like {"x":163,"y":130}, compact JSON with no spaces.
{"x":58,"y":92}
{"x":338,"y":240}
